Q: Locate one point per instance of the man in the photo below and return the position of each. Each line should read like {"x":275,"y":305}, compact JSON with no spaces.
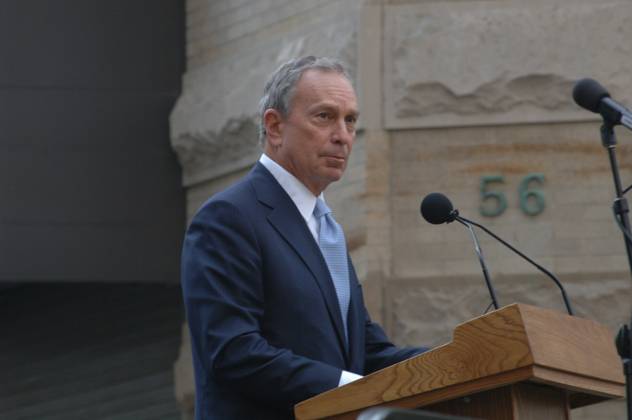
{"x":273,"y":303}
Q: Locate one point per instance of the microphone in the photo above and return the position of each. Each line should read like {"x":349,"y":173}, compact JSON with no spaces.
{"x":590,"y":95}
{"x":436,"y":208}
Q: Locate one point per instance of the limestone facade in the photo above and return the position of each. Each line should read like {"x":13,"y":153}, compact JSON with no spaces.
{"x":450,"y":92}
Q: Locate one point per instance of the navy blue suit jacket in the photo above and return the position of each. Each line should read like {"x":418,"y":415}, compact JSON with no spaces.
{"x":265,"y":324}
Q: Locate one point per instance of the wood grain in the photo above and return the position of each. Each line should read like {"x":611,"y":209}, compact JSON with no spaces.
{"x":600,"y":389}
{"x":507,"y":346}
{"x":571,"y":344}
{"x":521,"y":401}
{"x":496,"y":404}
{"x":533,"y":402}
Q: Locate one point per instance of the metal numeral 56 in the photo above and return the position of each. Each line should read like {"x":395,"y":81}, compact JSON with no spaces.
{"x":531,"y":198}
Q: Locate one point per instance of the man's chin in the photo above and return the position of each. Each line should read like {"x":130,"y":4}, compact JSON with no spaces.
{"x":334,"y":174}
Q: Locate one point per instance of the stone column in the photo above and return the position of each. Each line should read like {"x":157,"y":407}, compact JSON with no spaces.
{"x":232,"y":47}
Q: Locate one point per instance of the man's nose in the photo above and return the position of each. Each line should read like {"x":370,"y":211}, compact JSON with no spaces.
{"x":343,"y":133}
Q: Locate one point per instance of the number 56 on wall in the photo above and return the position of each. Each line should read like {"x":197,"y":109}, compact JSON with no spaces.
{"x":531,"y":198}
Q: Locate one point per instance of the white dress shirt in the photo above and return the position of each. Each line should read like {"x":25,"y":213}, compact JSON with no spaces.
{"x":305,"y":202}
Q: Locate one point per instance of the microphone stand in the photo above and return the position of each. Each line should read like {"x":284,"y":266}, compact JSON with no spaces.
{"x":479,"y":253}
{"x":621,"y":210}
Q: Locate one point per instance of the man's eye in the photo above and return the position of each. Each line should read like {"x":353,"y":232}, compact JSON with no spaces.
{"x":323,"y":115}
{"x":351,"y":120}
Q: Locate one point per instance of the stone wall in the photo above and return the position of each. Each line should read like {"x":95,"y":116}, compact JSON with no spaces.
{"x":480,"y":88}
{"x":450,"y":91}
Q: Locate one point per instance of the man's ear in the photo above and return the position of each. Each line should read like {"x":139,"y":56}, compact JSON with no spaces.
{"x":273,"y":123}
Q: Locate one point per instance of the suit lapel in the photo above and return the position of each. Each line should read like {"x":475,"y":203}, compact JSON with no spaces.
{"x":287,"y":220}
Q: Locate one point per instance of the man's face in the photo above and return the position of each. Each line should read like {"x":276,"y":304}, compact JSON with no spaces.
{"x":314,"y":141}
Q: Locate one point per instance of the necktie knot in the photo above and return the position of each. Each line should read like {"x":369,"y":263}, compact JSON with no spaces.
{"x":321,"y":209}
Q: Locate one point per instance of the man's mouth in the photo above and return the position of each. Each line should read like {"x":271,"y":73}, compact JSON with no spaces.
{"x":341,"y":158}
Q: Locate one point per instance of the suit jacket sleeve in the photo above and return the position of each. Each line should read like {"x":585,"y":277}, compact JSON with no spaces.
{"x":223,"y":291}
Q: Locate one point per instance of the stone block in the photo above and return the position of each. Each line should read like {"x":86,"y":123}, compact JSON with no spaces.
{"x":214,"y":125}
{"x":424,"y":312}
{"x":575,"y":228}
{"x":495,"y":62}
{"x":591,"y":264}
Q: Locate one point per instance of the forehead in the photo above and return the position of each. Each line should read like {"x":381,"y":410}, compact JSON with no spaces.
{"x":316,"y":86}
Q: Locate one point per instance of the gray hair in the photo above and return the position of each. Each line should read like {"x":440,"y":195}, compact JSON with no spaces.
{"x":279,"y":89}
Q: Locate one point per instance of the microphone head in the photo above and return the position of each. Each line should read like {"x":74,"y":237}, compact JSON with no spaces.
{"x":588,"y":94}
{"x":436,"y":208}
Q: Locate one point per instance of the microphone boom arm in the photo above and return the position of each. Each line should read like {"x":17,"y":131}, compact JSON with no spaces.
{"x":467,"y":222}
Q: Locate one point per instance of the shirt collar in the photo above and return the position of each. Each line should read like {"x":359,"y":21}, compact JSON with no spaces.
{"x":302,"y":197}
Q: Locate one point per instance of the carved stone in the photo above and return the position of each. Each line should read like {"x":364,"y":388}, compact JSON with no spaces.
{"x":492,"y":62}
{"x":214,"y":123}
{"x":208,"y":154}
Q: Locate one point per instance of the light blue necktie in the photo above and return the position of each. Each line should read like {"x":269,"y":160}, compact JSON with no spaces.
{"x":331,"y":241}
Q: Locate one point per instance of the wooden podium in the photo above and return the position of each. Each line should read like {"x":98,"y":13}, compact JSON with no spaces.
{"x":518,"y":362}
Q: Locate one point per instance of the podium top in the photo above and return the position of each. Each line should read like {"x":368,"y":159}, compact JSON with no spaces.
{"x":513,"y":344}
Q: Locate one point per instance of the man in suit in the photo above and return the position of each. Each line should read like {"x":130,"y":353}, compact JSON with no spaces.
{"x":273,"y":303}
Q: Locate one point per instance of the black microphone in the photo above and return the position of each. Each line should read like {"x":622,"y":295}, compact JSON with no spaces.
{"x":590,"y":95}
{"x":436,"y":208}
